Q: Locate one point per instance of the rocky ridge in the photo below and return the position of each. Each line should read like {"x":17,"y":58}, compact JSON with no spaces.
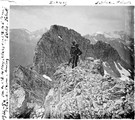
{"x":83,"y":92}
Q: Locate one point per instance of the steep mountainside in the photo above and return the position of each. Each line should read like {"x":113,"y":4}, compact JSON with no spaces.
{"x":119,"y":41}
{"x":110,"y":57}
{"x":54,"y":46}
{"x":124,"y":50}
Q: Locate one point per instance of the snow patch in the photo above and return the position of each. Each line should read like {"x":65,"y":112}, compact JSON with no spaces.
{"x":60,"y":37}
{"x":123,"y":72}
{"x":47,"y":77}
{"x":105,"y":73}
{"x":108,"y":35}
{"x":111,"y":35}
{"x":130,"y":48}
{"x":97,"y":33}
{"x":50,"y":93}
{"x":105,"y":64}
{"x":27,"y":31}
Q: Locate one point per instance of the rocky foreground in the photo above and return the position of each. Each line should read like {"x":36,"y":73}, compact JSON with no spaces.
{"x":82,"y":92}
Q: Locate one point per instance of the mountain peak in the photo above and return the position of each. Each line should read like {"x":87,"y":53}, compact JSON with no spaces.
{"x":63,"y":28}
{"x":110,"y":35}
{"x":57,"y":27}
{"x":21,"y":30}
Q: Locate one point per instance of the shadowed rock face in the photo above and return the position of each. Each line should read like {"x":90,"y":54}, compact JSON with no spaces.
{"x":84,"y":93}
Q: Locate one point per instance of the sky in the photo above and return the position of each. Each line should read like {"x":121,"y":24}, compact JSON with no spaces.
{"x":83,"y":19}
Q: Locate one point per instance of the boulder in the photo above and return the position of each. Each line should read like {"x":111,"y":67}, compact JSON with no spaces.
{"x":18,"y":101}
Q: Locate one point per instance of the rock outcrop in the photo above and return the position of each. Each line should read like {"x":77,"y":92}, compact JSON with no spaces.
{"x":27,"y":93}
{"x":84,"y":93}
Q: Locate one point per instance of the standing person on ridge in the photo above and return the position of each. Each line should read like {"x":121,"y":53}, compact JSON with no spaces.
{"x":72,"y":50}
{"x":77,"y":53}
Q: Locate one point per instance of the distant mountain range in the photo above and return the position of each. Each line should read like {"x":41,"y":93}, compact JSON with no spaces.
{"x":22,"y":45}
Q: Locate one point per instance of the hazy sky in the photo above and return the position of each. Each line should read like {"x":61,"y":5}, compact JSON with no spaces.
{"x":83,"y":19}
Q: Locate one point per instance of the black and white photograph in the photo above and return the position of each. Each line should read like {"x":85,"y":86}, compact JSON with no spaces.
{"x":71,"y":62}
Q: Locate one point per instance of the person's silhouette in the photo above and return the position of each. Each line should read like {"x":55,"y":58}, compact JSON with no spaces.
{"x":75,"y":52}
{"x":72,"y":50}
